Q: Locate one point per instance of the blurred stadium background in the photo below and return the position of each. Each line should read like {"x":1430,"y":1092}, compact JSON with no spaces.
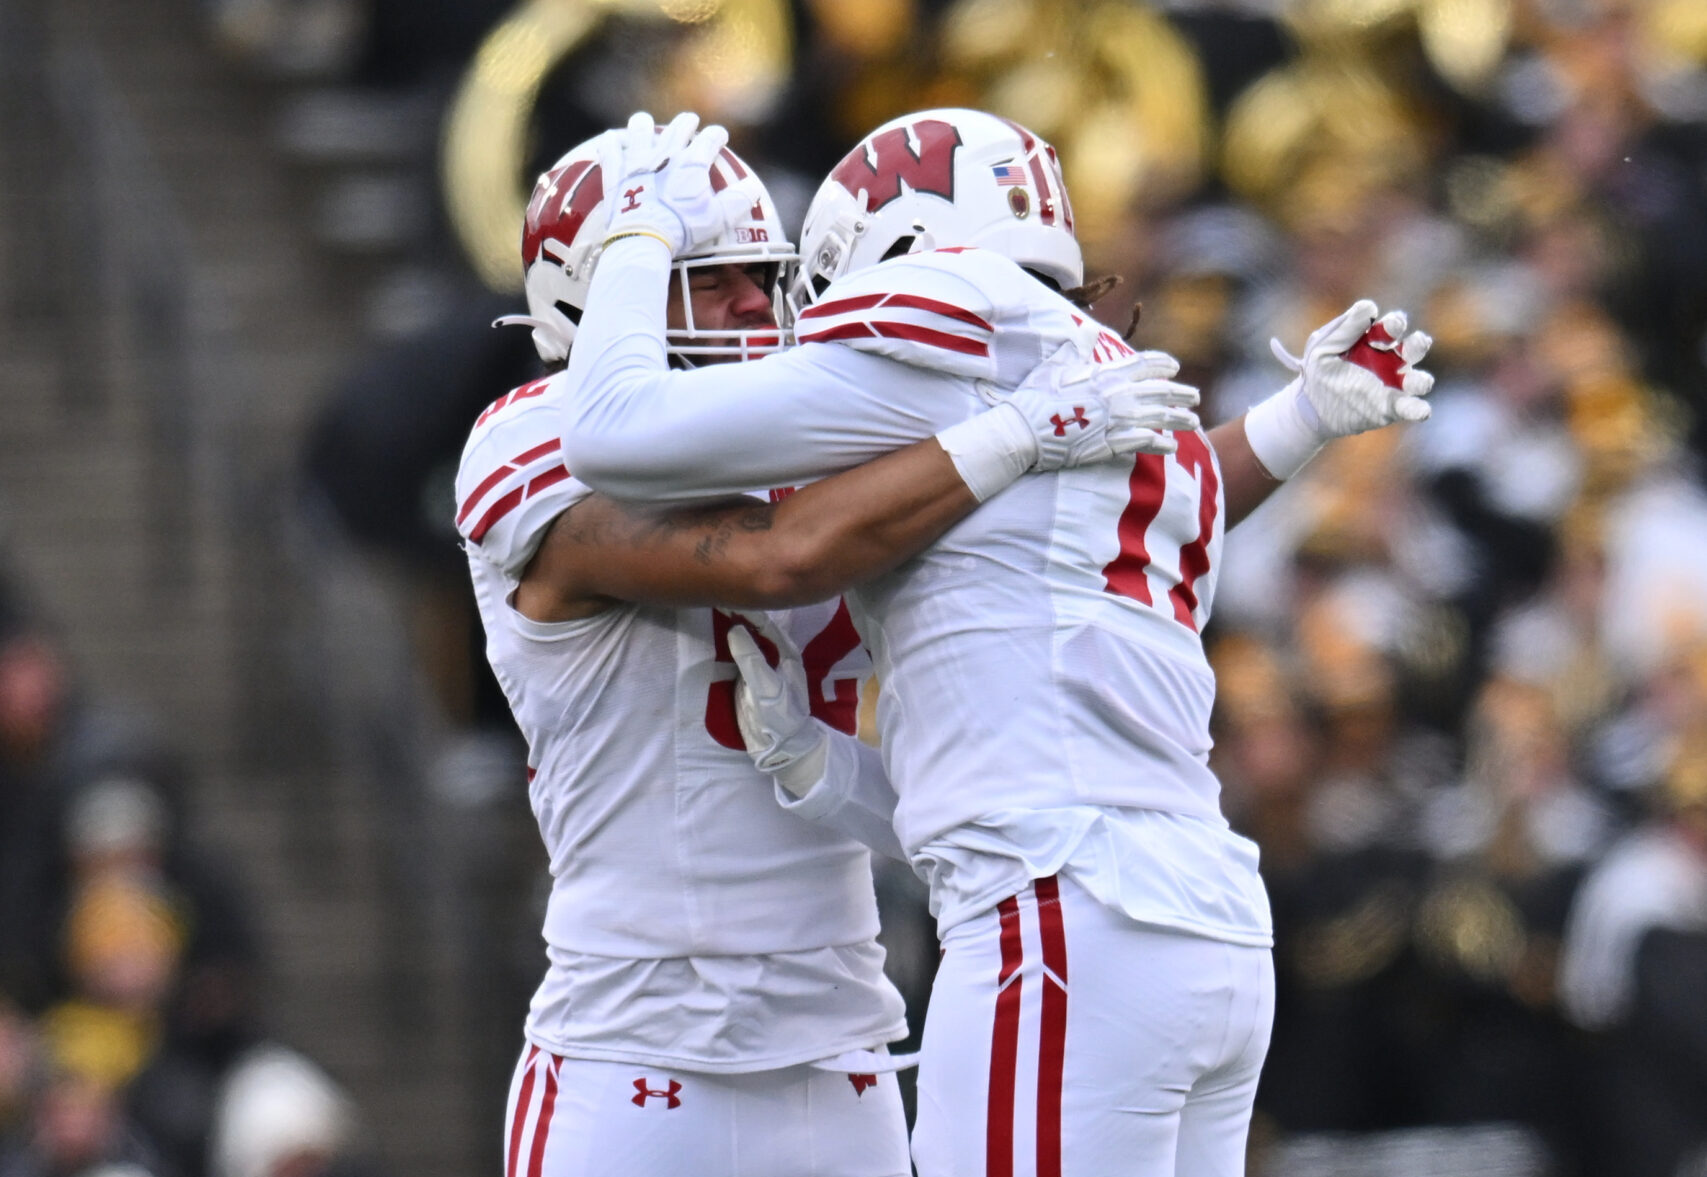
{"x":269,"y":890}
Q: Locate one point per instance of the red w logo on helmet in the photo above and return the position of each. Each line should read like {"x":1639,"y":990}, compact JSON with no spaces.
{"x":930,"y":169}
{"x":560,"y":204}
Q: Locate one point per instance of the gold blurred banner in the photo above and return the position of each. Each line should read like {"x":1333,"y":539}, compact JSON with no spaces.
{"x":1110,"y":82}
{"x":734,"y":60}
{"x":1115,"y":87}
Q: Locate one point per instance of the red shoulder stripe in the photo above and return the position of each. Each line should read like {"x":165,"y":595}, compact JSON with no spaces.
{"x":842,"y":331}
{"x":503,"y":472}
{"x":946,"y":310}
{"x":942,"y":339}
{"x":550,"y":478}
{"x":499,"y":509}
{"x":842,"y":306}
{"x":888,"y":330}
{"x":486,"y":484}
{"x":538,"y":451}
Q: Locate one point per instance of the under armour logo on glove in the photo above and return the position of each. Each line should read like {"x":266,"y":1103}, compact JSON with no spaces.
{"x":642,"y":1093}
{"x":673,"y":196}
{"x":861,"y":1082}
{"x":1078,"y":418}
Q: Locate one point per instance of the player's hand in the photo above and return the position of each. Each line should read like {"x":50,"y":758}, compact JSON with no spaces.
{"x":1358,"y":372}
{"x":659,"y":182}
{"x":771,"y":706}
{"x":1082,"y":413}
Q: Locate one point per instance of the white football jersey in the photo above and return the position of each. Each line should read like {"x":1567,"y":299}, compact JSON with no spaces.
{"x":673,"y":869}
{"x":1045,"y":652}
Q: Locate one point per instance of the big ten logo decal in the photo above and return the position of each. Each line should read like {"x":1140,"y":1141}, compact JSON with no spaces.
{"x":832,"y":692}
{"x":892,"y":159}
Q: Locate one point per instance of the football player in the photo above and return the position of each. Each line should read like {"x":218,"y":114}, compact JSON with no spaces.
{"x":715,"y":1002}
{"x":1106,"y":992}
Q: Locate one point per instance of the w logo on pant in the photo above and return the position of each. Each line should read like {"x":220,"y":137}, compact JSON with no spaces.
{"x":642,"y":1093}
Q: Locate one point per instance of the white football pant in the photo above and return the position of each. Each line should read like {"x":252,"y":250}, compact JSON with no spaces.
{"x":572,"y":1117}
{"x":1066,"y":1040}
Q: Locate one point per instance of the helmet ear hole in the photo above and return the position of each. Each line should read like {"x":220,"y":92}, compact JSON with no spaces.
{"x":903,"y":245}
{"x":572,"y":313}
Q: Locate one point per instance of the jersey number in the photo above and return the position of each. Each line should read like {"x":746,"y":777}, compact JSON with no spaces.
{"x":833,"y":700}
{"x":1128,"y":573}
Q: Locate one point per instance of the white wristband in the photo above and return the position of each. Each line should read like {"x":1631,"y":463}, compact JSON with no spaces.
{"x":1281,"y":433}
{"x":991,"y":450}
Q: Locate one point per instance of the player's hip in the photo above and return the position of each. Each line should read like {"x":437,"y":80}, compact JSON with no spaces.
{"x":1065,"y":1038}
{"x":568,"y":1117}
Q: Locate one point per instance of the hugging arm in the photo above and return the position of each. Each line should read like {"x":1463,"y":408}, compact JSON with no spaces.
{"x":821,"y":774}
{"x":807,"y":547}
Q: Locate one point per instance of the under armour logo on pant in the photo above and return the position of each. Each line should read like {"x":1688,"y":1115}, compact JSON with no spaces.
{"x":633,"y":203}
{"x":861,"y":1082}
{"x":642,"y":1093}
{"x":1078,"y":418}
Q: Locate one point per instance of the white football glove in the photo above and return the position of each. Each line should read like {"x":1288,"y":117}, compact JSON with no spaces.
{"x":1357,"y":373}
{"x":775,"y":717}
{"x":1082,"y":413}
{"x":1070,"y":412}
{"x":659,"y":183}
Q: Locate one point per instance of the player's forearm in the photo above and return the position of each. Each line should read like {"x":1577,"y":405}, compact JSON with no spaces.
{"x":864,"y":522}
{"x":853,"y":797}
{"x":809,"y":547}
{"x":1245,"y":484}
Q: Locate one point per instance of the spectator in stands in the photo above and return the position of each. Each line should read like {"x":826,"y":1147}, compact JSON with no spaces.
{"x":160,"y":951}
{"x":18,"y":1055}
{"x":34,"y":782}
{"x":1635,"y":956}
{"x":280,"y":1115}
{"x":77,"y":1125}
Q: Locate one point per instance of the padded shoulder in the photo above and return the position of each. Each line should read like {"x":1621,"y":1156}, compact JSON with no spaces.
{"x":512,"y":481}
{"x":935,"y":310}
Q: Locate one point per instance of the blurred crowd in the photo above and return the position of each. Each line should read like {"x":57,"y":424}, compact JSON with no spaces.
{"x":1463,"y":665}
{"x":131,"y":1041}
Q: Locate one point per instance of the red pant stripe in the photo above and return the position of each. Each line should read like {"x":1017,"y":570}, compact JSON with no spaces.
{"x":519,"y":1118}
{"x":1004,"y":1050}
{"x":1052,"y":1043}
{"x":536,"y":1161}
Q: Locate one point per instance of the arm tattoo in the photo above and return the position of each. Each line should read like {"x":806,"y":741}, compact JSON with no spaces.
{"x":715,"y":528}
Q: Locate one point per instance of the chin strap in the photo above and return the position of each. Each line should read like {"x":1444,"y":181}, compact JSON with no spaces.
{"x":545,"y":335}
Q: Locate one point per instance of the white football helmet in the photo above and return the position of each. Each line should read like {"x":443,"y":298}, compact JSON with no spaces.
{"x":935,"y":180}
{"x":564,"y":233}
